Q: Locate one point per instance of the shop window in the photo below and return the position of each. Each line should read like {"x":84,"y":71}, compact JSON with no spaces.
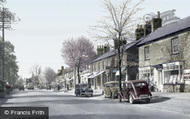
{"x":146,"y":52}
{"x":174,"y":45}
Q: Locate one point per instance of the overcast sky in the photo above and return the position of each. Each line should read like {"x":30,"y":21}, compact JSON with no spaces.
{"x":45,"y":24}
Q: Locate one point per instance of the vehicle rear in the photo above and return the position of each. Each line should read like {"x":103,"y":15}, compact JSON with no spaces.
{"x":142,"y":91}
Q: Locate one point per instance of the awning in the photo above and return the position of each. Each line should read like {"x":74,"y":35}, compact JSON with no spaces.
{"x":94,"y":74}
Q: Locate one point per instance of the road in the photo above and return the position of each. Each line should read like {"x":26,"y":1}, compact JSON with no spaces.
{"x":67,"y":106}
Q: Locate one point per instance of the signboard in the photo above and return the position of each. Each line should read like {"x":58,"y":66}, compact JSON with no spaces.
{"x":186,"y":74}
{"x":167,"y":17}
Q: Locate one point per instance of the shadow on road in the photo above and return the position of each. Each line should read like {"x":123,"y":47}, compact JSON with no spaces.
{"x":157,"y":99}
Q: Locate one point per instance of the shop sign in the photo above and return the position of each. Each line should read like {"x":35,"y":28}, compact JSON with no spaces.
{"x":186,"y":74}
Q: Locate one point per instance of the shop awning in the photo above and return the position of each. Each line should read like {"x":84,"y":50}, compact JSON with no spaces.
{"x":94,"y":74}
{"x":158,"y":66}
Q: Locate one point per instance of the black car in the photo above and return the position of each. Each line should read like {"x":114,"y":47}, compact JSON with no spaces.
{"x":83,"y":89}
{"x":21,"y":87}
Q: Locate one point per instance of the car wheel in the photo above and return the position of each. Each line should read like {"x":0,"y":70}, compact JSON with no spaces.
{"x":119,"y":97}
{"x":148,"y":100}
{"x":112,"y":96}
{"x":131,"y":99}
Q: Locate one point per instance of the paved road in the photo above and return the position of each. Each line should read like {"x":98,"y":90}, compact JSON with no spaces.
{"x":67,"y":106}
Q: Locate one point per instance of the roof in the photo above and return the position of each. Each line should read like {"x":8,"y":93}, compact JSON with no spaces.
{"x":166,"y":31}
{"x":114,"y":52}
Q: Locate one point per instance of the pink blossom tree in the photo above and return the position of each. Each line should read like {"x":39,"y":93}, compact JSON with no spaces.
{"x":78,"y":53}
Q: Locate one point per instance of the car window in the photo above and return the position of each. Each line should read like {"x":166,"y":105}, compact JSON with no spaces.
{"x":84,"y":85}
{"x":113,"y":84}
{"x":124,"y":85}
{"x":140,"y":84}
{"x":129,"y":86}
{"x":107,"y":85}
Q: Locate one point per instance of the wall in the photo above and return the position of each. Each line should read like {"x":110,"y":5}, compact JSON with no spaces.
{"x":160,"y":51}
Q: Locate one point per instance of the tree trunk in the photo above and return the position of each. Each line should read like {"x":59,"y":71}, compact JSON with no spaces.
{"x":120,"y":77}
{"x":78,"y":74}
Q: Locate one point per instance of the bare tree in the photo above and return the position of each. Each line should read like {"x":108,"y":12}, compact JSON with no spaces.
{"x":78,"y":53}
{"x":36,"y":72}
{"x":119,"y":23}
{"x":49,"y":75}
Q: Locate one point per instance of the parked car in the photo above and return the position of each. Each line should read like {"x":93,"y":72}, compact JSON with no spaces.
{"x":135,"y":90}
{"x":21,"y":87}
{"x":30,"y":86}
{"x":8,"y":88}
{"x":83,"y":89}
{"x":111,"y":89}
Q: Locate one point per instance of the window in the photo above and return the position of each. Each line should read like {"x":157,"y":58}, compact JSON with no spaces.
{"x":108,"y":62}
{"x":94,"y":66}
{"x":174,"y":45}
{"x":146,"y":50}
{"x":103,"y":65}
{"x":115,"y":61}
{"x":98,"y":66}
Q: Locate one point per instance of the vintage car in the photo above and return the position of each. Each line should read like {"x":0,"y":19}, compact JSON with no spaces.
{"x":135,"y":90}
{"x":111,"y":89}
{"x":83,"y":89}
{"x":21,"y":87}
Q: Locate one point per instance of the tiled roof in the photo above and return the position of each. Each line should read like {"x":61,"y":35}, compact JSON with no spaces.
{"x":166,"y":31}
{"x":114,"y":52}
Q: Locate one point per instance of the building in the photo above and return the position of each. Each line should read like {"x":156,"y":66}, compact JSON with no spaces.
{"x":164,"y":56}
{"x":105,"y":67}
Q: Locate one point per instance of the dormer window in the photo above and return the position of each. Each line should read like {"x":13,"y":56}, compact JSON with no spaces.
{"x":174,"y":45}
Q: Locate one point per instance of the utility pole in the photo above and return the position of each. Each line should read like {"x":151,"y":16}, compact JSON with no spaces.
{"x":3,"y":44}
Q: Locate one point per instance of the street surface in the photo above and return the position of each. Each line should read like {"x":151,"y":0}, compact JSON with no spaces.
{"x":68,"y":106}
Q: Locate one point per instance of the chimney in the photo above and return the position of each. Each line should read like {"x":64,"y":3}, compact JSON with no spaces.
{"x":62,"y":67}
{"x":156,"y":22}
{"x":147,"y":28}
{"x":106,"y":48}
{"x":139,"y":32}
{"x":100,"y":50}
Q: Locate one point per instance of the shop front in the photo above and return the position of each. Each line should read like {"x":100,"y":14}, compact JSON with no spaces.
{"x":147,"y":74}
{"x":173,"y":77}
{"x":186,"y":77}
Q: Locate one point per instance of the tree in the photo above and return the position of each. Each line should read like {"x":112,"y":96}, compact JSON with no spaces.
{"x":49,"y":75}
{"x":36,"y":72}
{"x":19,"y":81}
{"x":119,"y":24}
{"x":78,"y":53}
{"x":10,"y":67}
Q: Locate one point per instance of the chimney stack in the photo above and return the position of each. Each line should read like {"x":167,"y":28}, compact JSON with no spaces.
{"x":139,"y":32}
{"x":147,"y":28}
{"x":156,"y":22}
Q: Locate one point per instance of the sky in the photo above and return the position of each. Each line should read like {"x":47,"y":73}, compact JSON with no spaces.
{"x":45,"y":24}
